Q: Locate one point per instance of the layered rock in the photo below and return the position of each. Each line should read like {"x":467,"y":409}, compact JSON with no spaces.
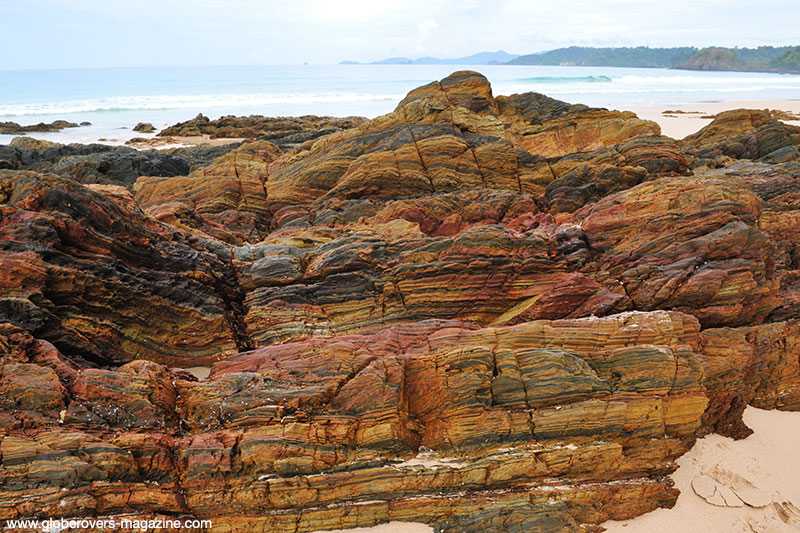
{"x":710,"y":259}
{"x":482,"y":313}
{"x":225,"y":199}
{"x":363,"y":280}
{"x":745,"y":134}
{"x":93,"y":163}
{"x":447,"y":136}
{"x":428,"y":421}
{"x":437,"y":413}
{"x":88,"y":271}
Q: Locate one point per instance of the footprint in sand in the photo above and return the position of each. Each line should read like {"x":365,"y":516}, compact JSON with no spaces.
{"x":788,"y":512}
{"x":778,"y":518}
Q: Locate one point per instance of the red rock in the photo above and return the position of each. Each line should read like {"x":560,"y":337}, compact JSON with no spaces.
{"x":477,"y":312}
{"x":710,"y":260}
{"x":101,"y":280}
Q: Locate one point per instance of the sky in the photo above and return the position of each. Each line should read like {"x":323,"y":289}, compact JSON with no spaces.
{"x":42,"y":34}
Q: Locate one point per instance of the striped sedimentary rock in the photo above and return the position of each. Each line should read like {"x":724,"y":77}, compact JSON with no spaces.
{"x":482,"y":313}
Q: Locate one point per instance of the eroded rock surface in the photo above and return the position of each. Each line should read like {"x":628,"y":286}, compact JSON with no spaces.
{"x":286,"y":130}
{"x":482,"y":313}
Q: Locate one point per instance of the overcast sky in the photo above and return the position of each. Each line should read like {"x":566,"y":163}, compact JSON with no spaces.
{"x":102,"y":33}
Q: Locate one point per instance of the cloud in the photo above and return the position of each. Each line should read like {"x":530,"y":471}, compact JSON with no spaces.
{"x":86,"y":33}
{"x":427,"y":30}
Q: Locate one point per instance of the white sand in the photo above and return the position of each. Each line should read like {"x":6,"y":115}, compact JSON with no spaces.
{"x":679,"y":126}
{"x":763,"y":470}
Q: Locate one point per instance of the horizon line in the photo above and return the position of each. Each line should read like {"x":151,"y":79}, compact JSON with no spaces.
{"x":352,"y":62}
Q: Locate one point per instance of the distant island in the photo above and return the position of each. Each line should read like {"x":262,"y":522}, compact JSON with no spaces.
{"x":782,"y":59}
{"x":482,"y":58}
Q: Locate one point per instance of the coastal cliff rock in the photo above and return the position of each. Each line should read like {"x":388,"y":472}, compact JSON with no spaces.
{"x":481,"y":313}
{"x":448,"y":415}
{"x":427,"y":421}
{"x":711,"y":260}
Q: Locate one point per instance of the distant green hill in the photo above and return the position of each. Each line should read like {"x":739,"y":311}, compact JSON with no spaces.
{"x":761,"y":59}
{"x":640,"y":56}
{"x":790,"y":61}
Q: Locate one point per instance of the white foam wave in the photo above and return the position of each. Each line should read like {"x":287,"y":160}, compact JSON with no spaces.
{"x":644,"y":90}
{"x":662,"y":83}
{"x":773,"y":80}
{"x":204,"y":101}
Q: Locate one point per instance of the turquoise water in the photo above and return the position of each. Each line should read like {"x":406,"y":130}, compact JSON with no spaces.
{"x":114,"y":100}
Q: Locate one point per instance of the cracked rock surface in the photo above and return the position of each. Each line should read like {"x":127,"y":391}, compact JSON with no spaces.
{"x":482,"y":313}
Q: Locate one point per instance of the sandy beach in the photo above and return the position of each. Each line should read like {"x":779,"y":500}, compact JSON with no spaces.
{"x":692,"y":117}
{"x":750,"y":485}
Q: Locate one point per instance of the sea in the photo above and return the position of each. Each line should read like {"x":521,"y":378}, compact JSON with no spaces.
{"x":114,"y":100}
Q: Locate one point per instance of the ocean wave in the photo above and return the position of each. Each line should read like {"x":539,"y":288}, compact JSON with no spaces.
{"x":566,"y":79}
{"x":167,"y":101}
{"x":654,"y":90}
{"x":777,"y":80}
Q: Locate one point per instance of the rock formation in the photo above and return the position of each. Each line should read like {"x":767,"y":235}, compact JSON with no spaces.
{"x":294,"y":129}
{"x":12,"y":128}
{"x":144,"y":127}
{"x":92,"y":163}
{"x":482,"y":313}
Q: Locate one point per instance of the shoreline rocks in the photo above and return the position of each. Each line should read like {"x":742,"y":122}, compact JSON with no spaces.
{"x":144,"y":127}
{"x":481,"y":313}
{"x":12,"y":128}
{"x":256,"y":126}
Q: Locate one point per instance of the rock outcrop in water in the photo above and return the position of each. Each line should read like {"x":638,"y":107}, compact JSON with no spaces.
{"x":144,"y":127}
{"x":477,"y":312}
{"x":12,"y":128}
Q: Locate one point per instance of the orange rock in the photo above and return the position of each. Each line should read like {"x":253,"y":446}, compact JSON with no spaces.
{"x":476,"y":312}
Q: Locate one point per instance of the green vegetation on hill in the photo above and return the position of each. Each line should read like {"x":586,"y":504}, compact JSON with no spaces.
{"x":640,"y":56}
{"x":761,"y":59}
{"x":760,"y":54}
{"x":790,"y":61}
